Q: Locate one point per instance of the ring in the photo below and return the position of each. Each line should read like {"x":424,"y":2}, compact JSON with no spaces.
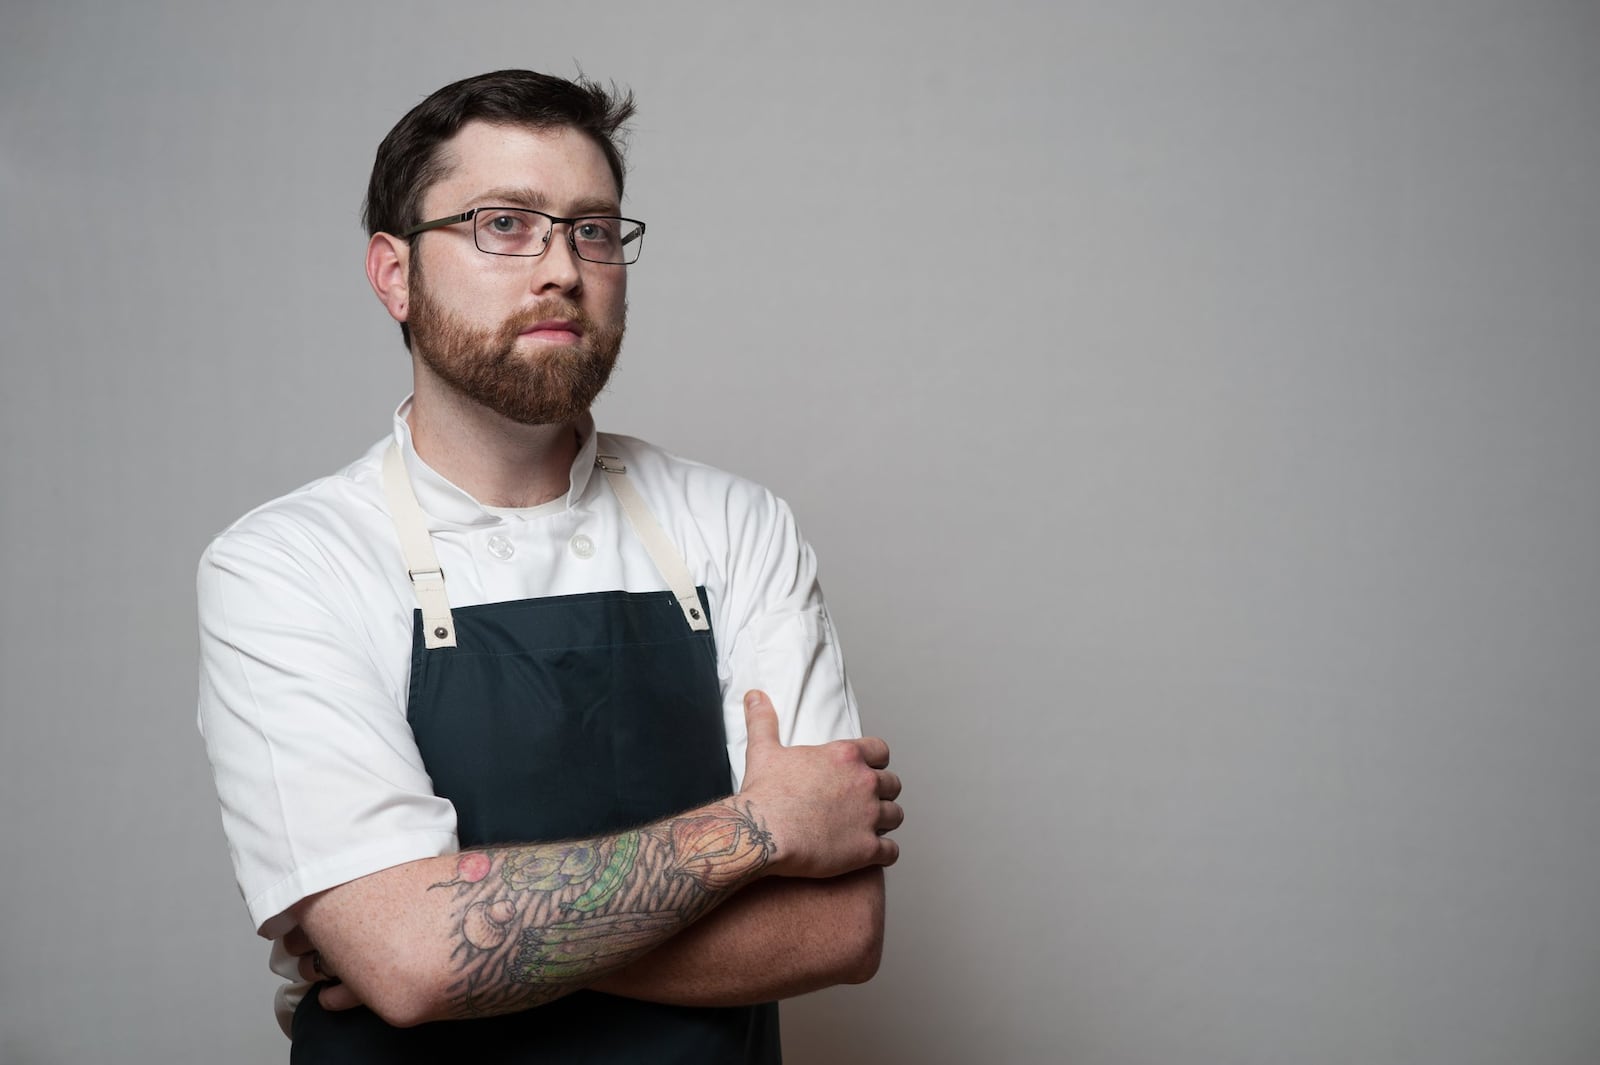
{"x":316,"y":963}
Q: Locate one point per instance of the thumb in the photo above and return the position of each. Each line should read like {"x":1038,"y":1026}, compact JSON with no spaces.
{"x":760,"y":721}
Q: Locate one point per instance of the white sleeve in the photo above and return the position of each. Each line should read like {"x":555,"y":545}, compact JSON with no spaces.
{"x":782,"y":640}
{"x":318,"y":774}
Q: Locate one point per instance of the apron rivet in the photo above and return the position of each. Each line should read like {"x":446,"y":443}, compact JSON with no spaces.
{"x":694,"y":613}
{"x":441,"y":632}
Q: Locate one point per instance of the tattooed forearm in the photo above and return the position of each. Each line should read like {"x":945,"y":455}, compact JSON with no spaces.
{"x":535,"y":922}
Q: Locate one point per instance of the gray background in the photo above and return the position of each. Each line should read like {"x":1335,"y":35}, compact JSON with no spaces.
{"x":1194,"y":407}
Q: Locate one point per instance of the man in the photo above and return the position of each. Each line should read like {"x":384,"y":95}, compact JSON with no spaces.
{"x":500,"y":626}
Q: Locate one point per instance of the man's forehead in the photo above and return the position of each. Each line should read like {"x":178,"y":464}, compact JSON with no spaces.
{"x":539,"y":200}
{"x":546,"y":168}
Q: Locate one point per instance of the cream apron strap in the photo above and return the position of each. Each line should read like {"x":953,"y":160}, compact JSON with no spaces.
{"x":427,"y":579}
{"x":669,"y":562}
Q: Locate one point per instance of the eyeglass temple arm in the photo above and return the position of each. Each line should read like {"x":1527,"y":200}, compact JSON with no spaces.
{"x":438,"y":223}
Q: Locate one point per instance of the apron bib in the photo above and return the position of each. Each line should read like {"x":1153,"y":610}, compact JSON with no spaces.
{"x":555,"y":718}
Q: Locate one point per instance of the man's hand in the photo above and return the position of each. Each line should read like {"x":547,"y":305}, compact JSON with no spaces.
{"x":826,"y":808}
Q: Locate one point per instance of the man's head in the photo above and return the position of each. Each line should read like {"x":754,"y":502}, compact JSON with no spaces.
{"x":512,"y":139}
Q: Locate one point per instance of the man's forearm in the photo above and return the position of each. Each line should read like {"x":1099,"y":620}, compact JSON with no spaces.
{"x":775,"y":939}
{"x":506,"y":928}
{"x":503,"y":929}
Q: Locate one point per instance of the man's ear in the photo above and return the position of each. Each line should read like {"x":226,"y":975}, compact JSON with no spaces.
{"x":388,"y":264}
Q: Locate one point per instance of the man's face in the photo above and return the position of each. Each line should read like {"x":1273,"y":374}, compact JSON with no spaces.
{"x":532,"y":339}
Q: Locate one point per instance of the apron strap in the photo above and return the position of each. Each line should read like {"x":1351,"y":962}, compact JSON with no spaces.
{"x":669,"y":562}
{"x":427,"y":578}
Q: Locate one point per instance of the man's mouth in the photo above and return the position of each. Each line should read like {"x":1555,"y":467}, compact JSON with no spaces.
{"x":555,"y":331}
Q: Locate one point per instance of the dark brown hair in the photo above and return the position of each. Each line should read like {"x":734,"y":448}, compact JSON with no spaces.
{"x":408,"y":160}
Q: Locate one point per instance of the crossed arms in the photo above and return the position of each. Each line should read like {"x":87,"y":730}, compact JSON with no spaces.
{"x":794,"y":861}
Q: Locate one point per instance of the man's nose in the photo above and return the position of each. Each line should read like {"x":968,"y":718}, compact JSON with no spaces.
{"x":558,"y":268}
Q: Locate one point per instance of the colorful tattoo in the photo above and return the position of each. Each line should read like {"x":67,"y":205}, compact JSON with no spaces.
{"x":537,"y":921}
{"x":611,"y":877}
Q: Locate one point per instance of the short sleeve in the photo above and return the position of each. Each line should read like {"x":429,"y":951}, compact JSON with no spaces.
{"x":319,"y":778}
{"x":782,"y":640}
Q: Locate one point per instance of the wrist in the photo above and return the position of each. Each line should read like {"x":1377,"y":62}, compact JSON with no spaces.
{"x":724,"y":847}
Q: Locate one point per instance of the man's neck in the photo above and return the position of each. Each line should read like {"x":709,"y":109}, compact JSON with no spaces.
{"x":497,"y":461}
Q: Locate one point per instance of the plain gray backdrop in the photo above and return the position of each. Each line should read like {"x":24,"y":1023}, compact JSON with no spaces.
{"x":1194,"y":407}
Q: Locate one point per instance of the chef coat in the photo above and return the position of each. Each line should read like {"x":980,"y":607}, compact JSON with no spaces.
{"x":306,"y":617}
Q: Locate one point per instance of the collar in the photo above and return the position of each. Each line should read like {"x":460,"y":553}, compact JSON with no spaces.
{"x":442,"y":499}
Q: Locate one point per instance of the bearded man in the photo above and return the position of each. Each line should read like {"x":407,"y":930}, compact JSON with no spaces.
{"x":481,"y":706}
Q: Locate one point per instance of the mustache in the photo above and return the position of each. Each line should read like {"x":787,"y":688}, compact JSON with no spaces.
{"x":546,"y":309}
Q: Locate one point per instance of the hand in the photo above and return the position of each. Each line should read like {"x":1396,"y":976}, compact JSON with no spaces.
{"x":333,"y":994}
{"x":828,"y":808}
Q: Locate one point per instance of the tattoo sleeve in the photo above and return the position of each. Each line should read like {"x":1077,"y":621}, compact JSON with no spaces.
{"x":531,"y":923}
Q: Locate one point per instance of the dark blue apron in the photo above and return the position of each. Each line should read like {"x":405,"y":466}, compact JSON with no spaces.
{"x":551,"y":719}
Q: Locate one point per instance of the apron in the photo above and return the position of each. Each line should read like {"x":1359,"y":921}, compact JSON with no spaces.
{"x":555,"y":718}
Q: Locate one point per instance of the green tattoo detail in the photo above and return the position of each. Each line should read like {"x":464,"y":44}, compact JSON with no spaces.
{"x":551,"y":872}
{"x":574,"y":950}
{"x":611,"y":877}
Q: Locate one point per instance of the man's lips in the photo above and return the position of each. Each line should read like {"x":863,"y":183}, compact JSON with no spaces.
{"x":560,"y":330}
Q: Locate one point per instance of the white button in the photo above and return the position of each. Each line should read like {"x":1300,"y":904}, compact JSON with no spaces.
{"x":500,"y":547}
{"x":582,"y":546}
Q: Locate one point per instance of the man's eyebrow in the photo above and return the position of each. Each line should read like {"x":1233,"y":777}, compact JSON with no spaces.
{"x":524,"y":196}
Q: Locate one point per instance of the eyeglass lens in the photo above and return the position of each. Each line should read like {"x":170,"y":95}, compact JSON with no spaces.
{"x":513,"y":231}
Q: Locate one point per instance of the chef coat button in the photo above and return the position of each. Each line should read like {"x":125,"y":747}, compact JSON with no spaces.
{"x":582,"y":546}
{"x":500,"y":547}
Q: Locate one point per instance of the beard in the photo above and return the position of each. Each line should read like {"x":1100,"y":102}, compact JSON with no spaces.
{"x":556,"y":384}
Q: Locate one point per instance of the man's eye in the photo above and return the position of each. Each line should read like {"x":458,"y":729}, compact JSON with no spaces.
{"x":505,"y":224}
{"x":593,"y":232}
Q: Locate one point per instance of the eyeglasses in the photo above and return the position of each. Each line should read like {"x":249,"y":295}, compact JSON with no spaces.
{"x":525,"y":232}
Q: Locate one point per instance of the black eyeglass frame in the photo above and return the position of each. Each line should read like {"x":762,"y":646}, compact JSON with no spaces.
{"x":554,"y":220}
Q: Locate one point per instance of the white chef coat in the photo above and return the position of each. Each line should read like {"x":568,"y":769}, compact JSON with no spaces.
{"x":306,"y":631}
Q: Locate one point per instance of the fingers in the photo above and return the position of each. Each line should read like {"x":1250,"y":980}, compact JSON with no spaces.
{"x":331,"y":992}
{"x":336,"y":997}
{"x":760,"y":720}
{"x":874,"y":751}
{"x":313,"y":969}
{"x":888,"y":784}
{"x":888,"y":851}
{"x":890,"y":816}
